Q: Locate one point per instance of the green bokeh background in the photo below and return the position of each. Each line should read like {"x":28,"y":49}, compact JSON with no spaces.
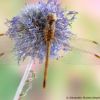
{"x":73,"y":66}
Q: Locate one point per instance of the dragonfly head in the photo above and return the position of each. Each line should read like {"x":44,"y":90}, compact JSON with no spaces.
{"x":51,"y":17}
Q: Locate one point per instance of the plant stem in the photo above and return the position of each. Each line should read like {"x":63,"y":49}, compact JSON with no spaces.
{"x":23,"y":80}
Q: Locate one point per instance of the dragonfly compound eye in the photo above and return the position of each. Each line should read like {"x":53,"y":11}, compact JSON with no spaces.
{"x":51,"y":17}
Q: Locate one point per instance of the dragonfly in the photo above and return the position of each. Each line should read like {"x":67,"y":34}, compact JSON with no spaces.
{"x":80,"y":44}
{"x":49,"y":37}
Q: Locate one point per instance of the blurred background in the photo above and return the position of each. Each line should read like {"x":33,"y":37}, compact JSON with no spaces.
{"x":76,"y":74}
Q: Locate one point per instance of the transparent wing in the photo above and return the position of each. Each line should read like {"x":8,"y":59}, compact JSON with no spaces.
{"x":84,"y":45}
{"x":1,"y":53}
{"x":5,"y":45}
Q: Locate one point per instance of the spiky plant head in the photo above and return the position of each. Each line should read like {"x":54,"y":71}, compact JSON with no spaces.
{"x":27,"y":30}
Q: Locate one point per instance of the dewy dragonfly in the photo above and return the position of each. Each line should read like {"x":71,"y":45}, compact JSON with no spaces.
{"x":42,"y":30}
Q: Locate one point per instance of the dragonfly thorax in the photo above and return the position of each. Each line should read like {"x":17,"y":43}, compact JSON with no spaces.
{"x":49,"y":30}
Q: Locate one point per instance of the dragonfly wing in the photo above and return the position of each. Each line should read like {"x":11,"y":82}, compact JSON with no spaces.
{"x":6,"y":45}
{"x":87,"y":46}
